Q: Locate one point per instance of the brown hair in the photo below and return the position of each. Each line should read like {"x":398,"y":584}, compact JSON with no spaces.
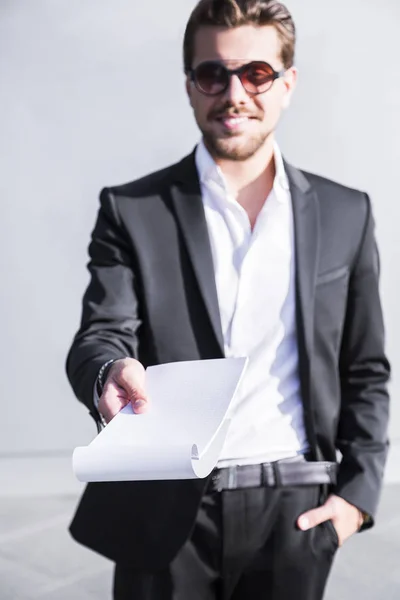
{"x":234,"y":13}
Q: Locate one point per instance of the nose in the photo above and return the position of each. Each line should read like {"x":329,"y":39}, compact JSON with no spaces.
{"x":235,"y":91}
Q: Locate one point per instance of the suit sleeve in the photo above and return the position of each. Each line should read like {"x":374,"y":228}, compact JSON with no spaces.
{"x":364,"y":371}
{"x":110,"y":319}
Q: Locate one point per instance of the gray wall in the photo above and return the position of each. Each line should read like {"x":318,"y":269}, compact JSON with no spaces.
{"x":92,"y":94}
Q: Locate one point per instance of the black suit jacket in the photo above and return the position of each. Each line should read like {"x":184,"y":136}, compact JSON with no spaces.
{"x":152,"y":295}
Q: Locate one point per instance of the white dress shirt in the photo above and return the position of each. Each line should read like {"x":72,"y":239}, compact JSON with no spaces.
{"x":254,"y":274}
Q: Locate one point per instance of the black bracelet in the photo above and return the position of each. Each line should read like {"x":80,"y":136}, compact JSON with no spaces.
{"x":102,"y":376}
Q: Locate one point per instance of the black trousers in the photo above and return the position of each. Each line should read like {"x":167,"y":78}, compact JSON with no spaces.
{"x":245,"y":545}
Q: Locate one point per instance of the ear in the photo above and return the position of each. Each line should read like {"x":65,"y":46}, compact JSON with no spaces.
{"x":290,"y":82}
{"x":188,"y":86}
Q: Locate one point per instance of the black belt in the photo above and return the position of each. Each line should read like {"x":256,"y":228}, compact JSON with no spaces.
{"x":281,"y":473}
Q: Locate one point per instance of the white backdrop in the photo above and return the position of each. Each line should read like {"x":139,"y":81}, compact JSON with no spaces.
{"x":92,"y":94}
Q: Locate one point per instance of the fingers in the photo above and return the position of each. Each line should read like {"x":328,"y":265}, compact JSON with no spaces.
{"x":344,"y":516}
{"x":112,"y":401}
{"x":314,"y":517}
{"x":131,"y":378}
{"x":125,"y":383}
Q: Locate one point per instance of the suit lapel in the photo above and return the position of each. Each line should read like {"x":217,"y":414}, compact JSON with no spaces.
{"x":188,"y":204}
{"x":306,"y":228}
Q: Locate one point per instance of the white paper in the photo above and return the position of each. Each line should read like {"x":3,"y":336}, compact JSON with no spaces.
{"x":182,"y":434}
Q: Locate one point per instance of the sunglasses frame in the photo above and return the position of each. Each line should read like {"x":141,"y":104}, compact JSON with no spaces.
{"x":231,"y":72}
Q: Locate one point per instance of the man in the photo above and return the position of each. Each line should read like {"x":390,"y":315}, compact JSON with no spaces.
{"x":234,"y":252}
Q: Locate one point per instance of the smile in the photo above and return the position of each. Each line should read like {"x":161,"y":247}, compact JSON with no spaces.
{"x":233,"y":122}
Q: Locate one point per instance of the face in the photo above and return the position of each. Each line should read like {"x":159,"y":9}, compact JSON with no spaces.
{"x":236,"y":124}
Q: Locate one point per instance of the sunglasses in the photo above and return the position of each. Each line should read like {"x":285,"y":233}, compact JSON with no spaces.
{"x":213,"y":77}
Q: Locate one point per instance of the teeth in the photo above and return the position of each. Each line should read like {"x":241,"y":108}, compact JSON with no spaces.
{"x":235,"y":120}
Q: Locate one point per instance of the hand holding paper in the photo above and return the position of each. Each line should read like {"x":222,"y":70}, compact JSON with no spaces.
{"x":125,"y":384}
{"x":179,"y":437}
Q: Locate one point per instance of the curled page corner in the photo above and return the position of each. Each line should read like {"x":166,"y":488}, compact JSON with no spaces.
{"x":180,"y":438}
{"x":129,"y":463}
{"x":202,"y":465}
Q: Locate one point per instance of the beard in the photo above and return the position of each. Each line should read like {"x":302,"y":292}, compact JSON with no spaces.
{"x":234,"y":147}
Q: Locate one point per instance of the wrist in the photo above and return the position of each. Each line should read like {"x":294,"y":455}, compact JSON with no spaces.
{"x":102,"y":376}
{"x":98,"y":390}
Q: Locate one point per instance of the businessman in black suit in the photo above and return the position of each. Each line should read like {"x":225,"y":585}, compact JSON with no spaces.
{"x":233,"y":251}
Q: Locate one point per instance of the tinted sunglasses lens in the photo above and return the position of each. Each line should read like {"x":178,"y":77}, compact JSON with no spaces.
{"x":257,"y":77}
{"x":211,"y":78}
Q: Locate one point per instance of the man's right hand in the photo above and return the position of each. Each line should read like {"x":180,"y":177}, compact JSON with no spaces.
{"x":125,"y":383}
